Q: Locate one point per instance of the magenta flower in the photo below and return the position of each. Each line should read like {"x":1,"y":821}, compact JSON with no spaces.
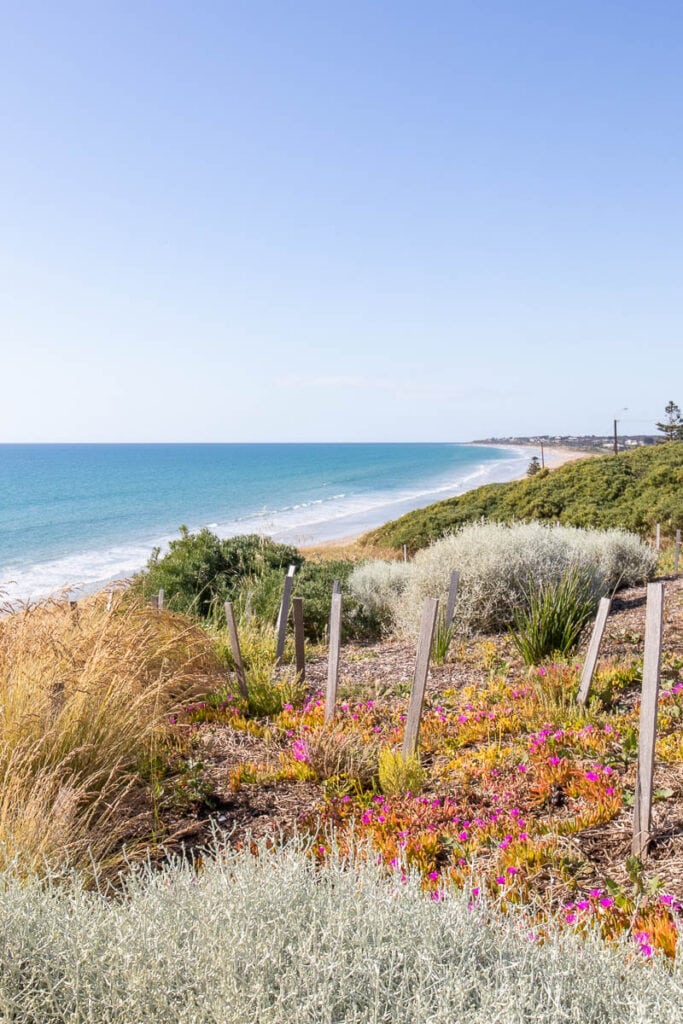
{"x":300,"y":750}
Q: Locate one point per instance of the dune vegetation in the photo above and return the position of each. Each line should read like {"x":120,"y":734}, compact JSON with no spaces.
{"x":176,"y":849}
{"x":632,"y":491}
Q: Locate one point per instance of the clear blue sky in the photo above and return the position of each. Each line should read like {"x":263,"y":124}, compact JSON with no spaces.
{"x":324,"y":221}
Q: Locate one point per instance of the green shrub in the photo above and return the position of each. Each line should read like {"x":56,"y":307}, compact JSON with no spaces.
{"x":200,"y":571}
{"x":313,"y":582}
{"x":631,"y":491}
{"x":554,"y":616}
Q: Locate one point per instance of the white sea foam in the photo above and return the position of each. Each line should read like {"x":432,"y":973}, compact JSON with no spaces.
{"x":309,"y":522}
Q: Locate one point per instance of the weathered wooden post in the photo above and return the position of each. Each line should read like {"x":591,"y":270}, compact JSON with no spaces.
{"x":333,"y":657}
{"x":642,"y":807}
{"x":161,"y":599}
{"x":452,"y":597}
{"x":284,"y":614}
{"x":430,"y":611}
{"x":658,"y":536}
{"x":405,"y":552}
{"x":154,"y":601}
{"x":336,"y":587}
{"x":677,"y":550}
{"x":236,"y":650}
{"x":299,"y":646}
{"x":109,"y":600}
{"x":593,"y":649}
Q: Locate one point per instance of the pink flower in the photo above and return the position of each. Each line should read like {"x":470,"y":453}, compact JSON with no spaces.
{"x":433,"y":875}
{"x":570,"y":918}
{"x":521,"y":767}
{"x":606,"y":901}
{"x":593,"y":776}
{"x":500,"y":880}
{"x":513,"y":871}
{"x":299,"y":750}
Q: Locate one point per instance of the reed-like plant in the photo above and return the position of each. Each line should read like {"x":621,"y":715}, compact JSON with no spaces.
{"x":554,"y":615}
{"x":443,"y":636}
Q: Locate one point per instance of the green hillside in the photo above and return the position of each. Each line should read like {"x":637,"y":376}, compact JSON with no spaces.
{"x":634,"y":490}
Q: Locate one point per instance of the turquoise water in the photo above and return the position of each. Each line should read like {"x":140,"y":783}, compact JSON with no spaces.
{"x":80,"y":515}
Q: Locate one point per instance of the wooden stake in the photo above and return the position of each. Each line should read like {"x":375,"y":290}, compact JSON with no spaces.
{"x":405,"y":552}
{"x":154,"y":601}
{"x":299,"y":646}
{"x":452,"y":597}
{"x":284,"y":614}
{"x":161,"y":599}
{"x":236,"y":650}
{"x":333,"y":657}
{"x":658,"y":537}
{"x":424,"y":649}
{"x":593,"y":649}
{"x":642,"y":808}
{"x":677,"y":550}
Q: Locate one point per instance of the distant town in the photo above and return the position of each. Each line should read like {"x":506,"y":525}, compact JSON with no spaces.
{"x":579,"y":442}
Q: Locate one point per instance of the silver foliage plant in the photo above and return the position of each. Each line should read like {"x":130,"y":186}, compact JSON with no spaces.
{"x":275,"y":938}
{"x":500,"y":563}
{"x":378,"y":586}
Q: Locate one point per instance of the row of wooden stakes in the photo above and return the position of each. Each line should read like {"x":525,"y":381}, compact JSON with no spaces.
{"x":642,"y":813}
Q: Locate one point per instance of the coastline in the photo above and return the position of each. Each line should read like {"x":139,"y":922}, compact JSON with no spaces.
{"x":350,"y":547}
{"x":314,"y":521}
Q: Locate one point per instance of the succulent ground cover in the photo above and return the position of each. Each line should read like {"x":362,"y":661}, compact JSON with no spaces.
{"x":522,"y":795}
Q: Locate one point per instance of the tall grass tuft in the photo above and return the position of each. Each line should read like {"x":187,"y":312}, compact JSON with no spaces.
{"x":555,"y":613}
{"x":83,"y":702}
{"x":443,"y":636}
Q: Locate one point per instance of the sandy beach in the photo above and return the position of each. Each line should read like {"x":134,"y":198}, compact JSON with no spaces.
{"x":350,"y":548}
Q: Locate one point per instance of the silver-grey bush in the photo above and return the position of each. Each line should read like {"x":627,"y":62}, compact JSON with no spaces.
{"x":275,"y":939}
{"x":499,"y":563}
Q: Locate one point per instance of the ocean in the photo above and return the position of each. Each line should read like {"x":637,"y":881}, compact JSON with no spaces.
{"x":80,"y":515}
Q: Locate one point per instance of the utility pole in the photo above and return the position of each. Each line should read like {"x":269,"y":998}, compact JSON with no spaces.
{"x":542,"y":457}
{"x":616,"y":439}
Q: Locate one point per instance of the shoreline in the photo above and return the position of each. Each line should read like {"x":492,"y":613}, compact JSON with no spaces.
{"x":350,"y":547}
{"x":322,"y":535}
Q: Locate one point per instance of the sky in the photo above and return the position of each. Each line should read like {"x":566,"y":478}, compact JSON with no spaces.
{"x":361,"y":221}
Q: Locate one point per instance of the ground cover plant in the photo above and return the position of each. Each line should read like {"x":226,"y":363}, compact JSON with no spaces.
{"x":632,"y":491}
{"x":515,"y":815}
{"x":276,"y":937}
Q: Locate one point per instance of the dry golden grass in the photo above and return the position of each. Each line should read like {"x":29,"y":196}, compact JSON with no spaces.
{"x":84,"y":698}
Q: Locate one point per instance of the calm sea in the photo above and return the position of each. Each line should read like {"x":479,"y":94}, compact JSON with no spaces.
{"x":80,"y":515}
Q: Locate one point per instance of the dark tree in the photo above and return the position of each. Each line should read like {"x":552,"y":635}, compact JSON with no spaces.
{"x":672,"y":427}
{"x":534,"y":466}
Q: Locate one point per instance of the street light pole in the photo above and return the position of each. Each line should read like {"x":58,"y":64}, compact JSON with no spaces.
{"x":616,"y":439}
